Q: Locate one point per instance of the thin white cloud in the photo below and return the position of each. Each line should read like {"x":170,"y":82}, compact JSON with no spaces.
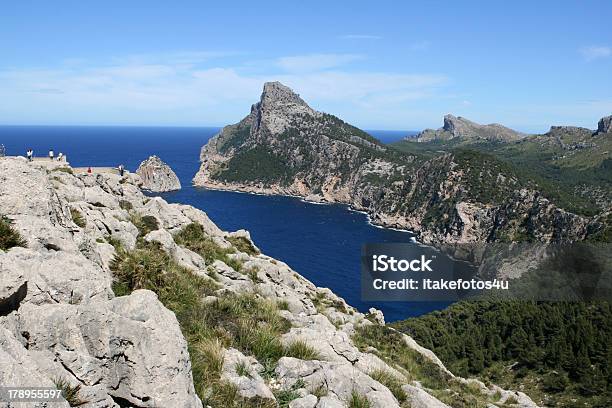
{"x":315,"y":62}
{"x":360,"y":37}
{"x":141,"y":93}
{"x":595,"y":52}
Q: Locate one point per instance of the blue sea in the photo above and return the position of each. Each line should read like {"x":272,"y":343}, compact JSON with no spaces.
{"x":321,"y":242}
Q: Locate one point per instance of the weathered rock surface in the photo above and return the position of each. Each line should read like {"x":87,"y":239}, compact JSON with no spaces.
{"x":157,"y":176}
{"x":605,"y":125}
{"x":60,"y":318}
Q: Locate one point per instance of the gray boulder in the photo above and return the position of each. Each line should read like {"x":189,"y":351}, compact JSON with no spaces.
{"x":131,"y":346}
{"x":604,"y":125}
{"x":157,"y":176}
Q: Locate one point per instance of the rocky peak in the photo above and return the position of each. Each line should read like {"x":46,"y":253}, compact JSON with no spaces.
{"x":605,"y":125}
{"x":460,"y":127}
{"x":276,"y":95}
{"x":277,"y":108}
{"x":157,"y":175}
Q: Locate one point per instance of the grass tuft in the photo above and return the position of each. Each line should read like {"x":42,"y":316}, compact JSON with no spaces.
{"x":358,"y":401}
{"x":70,"y":393}
{"x":78,"y":218}
{"x":299,"y":349}
{"x":390,"y":381}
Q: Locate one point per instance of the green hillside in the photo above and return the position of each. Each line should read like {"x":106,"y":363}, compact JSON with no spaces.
{"x":558,"y":353}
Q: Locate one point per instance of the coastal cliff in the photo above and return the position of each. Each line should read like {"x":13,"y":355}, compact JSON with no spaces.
{"x":122,"y":300}
{"x":446,"y":196}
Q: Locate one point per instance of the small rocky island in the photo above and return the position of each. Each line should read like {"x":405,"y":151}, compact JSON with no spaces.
{"x":157,"y":176}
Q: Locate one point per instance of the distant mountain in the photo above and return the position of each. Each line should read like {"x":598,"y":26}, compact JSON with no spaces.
{"x":459,"y":128}
{"x":447,"y":195}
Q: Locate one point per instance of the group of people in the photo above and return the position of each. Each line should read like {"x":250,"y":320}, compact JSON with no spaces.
{"x":60,"y":156}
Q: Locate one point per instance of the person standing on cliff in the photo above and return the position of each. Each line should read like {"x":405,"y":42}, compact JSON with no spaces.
{"x":29,"y":154}
{"x":51,"y":154}
{"x":121,"y":170}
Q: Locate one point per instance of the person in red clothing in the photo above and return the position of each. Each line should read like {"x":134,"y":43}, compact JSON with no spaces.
{"x":89,"y":170}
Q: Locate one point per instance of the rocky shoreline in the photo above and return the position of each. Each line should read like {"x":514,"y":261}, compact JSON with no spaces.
{"x":62,"y":319}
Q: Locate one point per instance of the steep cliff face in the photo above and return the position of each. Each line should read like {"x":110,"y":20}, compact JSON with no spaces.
{"x":132,"y":301}
{"x":285,"y":147}
{"x":461,"y":129}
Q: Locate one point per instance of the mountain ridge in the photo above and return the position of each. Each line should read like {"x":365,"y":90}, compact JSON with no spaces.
{"x":458,"y":127}
{"x":454,"y":197}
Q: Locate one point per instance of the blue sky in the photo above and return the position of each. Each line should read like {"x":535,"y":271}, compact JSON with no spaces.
{"x":378,"y":65}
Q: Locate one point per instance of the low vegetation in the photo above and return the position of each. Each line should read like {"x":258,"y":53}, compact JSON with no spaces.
{"x":415,"y":367}
{"x":144,"y":223}
{"x":557,"y":352}
{"x":70,"y":393}
{"x":244,"y":321}
{"x":358,"y":401}
{"x":242,"y":244}
{"x":194,"y":237}
{"x":78,"y":218}
{"x":390,"y":380}
{"x":9,"y":236}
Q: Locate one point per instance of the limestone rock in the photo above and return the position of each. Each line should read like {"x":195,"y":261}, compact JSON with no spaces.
{"x":309,"y":401}
{"x":340,"y":379}
{"x":605,"y":125}
{"x":249,"y":383}
{"x":419,"y":398}
{"x":132,"y":345}
{"x":157,"y":176}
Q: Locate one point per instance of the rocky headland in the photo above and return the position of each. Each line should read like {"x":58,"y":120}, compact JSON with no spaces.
{"x":447,"y":197}
{"x":124,"y":300}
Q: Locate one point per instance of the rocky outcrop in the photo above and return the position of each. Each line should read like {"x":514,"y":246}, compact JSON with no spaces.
{"x":62,"y":320}
{"x":285,"y":147}
{"x":157,"y":176}
{"x":462,"y":130}
{"x":604,"y":125}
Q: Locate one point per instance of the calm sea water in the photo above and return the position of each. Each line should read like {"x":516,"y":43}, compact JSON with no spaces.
{"x":321,"y":242}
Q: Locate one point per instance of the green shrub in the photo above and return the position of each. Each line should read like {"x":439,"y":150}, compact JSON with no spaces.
{"x":194,"y":237}
{"x":242,"y":244}
{"x":126,"y":205}
{"x":9,"y":237}
{"x":78,"y":218}
{"x":145,"y":224}
{"x":70,"y":393}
